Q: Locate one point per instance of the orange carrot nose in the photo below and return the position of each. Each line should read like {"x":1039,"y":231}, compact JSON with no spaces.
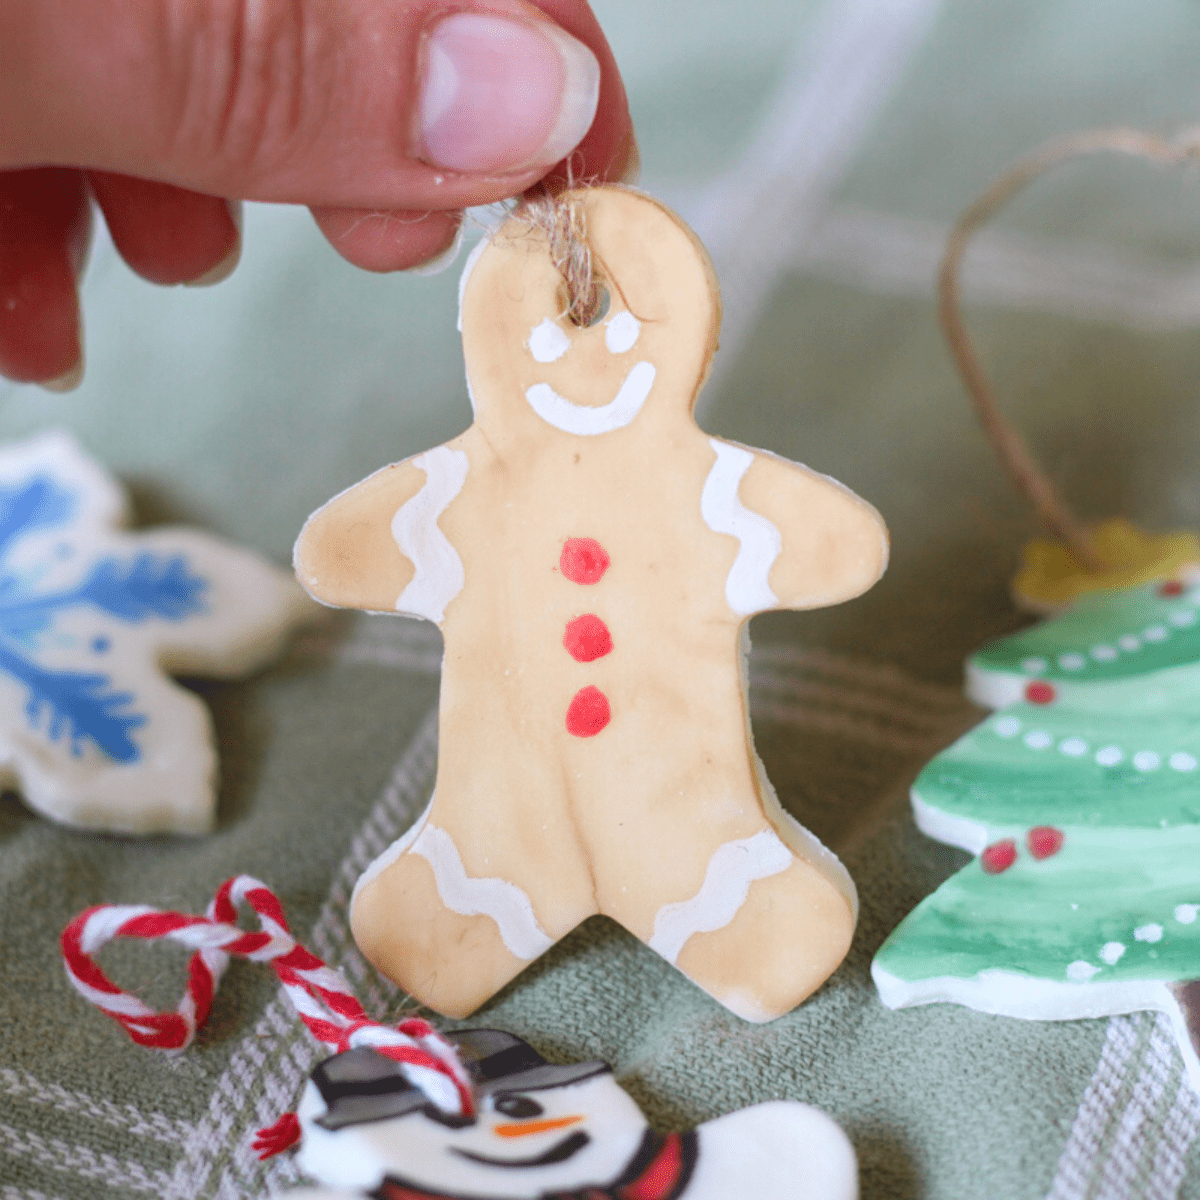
{"x":525,"y":1128}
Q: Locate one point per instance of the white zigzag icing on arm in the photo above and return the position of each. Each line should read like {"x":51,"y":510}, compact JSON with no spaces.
{"x":746,"y":587}
{"x":731,"y":870}
{"x":504,"y":902}
{"x":587,"y":422}
{"x":439,"y":570}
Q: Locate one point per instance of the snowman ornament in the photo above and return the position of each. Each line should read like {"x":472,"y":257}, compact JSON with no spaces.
{"x":591,"y":557}
{"x":548,"y":1132}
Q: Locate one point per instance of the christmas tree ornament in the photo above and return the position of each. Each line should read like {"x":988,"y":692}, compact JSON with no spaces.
{"x":592,"y":558}
{"x":407,"y":1113}
{"x":93,"y":733}
{"x":1078,"y":798}
{"x":1113,"y":554}
{"x":1078,"y":795}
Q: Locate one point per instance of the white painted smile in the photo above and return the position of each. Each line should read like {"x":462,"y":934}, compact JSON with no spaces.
{"x":584,"y":421}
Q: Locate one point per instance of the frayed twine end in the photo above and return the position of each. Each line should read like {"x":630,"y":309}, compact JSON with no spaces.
{"x":277,"y":1138}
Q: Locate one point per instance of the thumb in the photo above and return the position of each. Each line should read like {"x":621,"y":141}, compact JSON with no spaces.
{"x":359,"y":103}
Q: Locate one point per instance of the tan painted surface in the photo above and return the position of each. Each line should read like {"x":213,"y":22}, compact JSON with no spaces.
{"x":626,"y":821}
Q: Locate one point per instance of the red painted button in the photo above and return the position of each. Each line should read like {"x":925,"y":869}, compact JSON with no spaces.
{"x":1171,"y":588}
{"x":1040,"y":692}
{"x":588,"y":713}
{"x":587,"y":638}
{"x":583,"y":560}
{"x":1044,"y":841}
{"x":999,"y":856}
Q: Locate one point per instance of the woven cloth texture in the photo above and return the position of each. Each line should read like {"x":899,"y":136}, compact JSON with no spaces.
{"x":820,"y":149}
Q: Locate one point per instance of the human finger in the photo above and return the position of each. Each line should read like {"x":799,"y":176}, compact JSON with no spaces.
{"x":44,"y":223}
{"x":168,"y":234}
{"x":381,"y":240}
{"x":431,"y":104}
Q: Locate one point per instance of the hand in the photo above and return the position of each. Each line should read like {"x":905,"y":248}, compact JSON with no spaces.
{"x":385,"y":117}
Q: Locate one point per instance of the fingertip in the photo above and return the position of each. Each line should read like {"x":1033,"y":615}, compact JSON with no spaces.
{"x":43,"y":222}
{"x":389,"y":241}
{"x":169,"y":235}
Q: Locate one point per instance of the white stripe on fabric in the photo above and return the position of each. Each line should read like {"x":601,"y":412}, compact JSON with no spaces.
{"x":217,"y":1159}
{"x":72,"y":1158}
{"x":20,"y":1085}
{"x":896,"y":255}
{"x":1076,"y":1163}
{"x":1137,"y":1128}
{"x":841,"y":78}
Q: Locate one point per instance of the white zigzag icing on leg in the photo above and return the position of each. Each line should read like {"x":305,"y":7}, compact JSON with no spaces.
{"x":439,"y":570}
{"x":746,"y":587}
{"x":731,"y":870}
{"x":504,"y":902}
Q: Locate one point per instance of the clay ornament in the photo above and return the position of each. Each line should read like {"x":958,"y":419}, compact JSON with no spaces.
{"x":549,"y":1132}
{"x":407,"y":1113}
{"x":1079,"y":799}
{"x":92,"y":732}
{"x":1051,"y":578}
{"x":592,"y":557}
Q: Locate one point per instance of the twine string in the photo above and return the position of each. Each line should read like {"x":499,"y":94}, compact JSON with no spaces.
{"x":1011,"y":447}
{"x":564,"y":222}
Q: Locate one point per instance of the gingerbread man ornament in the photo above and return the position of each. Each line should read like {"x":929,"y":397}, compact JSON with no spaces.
{"x":591,"y":557}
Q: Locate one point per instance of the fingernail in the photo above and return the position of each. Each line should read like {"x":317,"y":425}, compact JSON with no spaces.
{"x":633,"y":164}
{"x":229,"y":263}
{"x":445,"y":260}
{"x":68,"y":382}
{"x":499,"y":95}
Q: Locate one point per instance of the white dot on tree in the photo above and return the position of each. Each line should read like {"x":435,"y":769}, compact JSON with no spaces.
{"x":1080,"y":971}
{"x":1073,"y":746}
{"x":1147,"y":760}
{"x":1008,"y":727}
{"x":1130,"y":642}
{"x":1185,"y":914}
{"x":1072,"y":662}
{"x":1148,"y":933}
{"x":1182,"y":762}
{"x":1109,"y":756}
{"x":1033,"y":666}
{"x":1038,"y":739}
{"x":1112,"y":951}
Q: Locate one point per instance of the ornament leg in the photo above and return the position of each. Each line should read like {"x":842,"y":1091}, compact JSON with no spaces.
{"x":450,"y":961}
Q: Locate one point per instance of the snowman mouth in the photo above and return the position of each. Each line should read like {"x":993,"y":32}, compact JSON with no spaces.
{"x":559,"y":1152}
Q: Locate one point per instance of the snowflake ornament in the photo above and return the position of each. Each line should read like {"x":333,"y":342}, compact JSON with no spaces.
{"x":93,"y":733}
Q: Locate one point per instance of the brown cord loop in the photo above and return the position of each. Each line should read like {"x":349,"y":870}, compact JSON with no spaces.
{"x":564,"y":223}
{"x":1011,"y":447}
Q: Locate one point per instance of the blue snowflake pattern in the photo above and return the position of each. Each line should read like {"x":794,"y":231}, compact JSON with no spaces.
{"x":82,"y":706}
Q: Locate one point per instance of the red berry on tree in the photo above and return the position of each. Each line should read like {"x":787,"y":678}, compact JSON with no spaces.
{"x":1040,"y":692}
{"x":1044,"y":841}
{"x":999,"y":856}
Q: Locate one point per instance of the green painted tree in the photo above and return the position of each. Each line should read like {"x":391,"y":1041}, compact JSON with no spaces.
{"x":1080,"y":797}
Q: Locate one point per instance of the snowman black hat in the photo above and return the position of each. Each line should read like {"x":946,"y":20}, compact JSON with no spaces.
{"x":363,"y":1085}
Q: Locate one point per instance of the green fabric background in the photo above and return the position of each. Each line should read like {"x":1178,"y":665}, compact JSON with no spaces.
{"x":243,"y":407}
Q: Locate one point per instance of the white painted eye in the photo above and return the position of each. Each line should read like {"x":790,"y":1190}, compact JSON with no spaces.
{"x":547,"y":342}
{"x":621,"y":332}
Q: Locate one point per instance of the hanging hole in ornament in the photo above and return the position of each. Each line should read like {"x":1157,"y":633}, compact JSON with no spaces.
{"x":585,"y":312}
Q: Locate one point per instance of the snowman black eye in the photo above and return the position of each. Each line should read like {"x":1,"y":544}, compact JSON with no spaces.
{"x":518,"y":1107}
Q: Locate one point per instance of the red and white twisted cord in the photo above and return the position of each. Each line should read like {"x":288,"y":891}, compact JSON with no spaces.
{"x":321,"y":996}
